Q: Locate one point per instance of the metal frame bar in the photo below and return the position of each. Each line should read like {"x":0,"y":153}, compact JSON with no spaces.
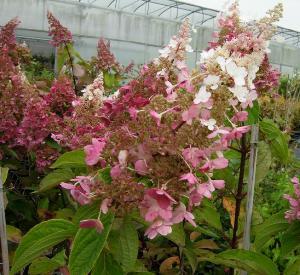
{"x":183,"y":9}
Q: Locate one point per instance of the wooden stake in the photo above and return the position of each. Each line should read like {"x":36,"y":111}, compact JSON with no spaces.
{"x":251,"y":185}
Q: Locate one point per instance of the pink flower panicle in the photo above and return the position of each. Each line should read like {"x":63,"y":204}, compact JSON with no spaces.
{"x":36,"y":124}
{"x":61,"y":96}
{"x":294,"y":212}
{"x":171,"y":126}
{"x":105,"y":60}
{"x":7,"y":34}
{"x":60,"y":34}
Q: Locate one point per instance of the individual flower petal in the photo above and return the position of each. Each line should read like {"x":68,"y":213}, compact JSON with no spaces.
{"x":240,"y":116}
{"x":116,"y":171}
{"x":202,"y":95}
{"x":189,"y":177}
{"x":156,"y":116}
{"x":241,"y":92}
{"x":237,"y":73}
{"x":122,"y":158}
{"x":105,"y":204}
{"x":140,"y":167}
{"x":92,"y":223}
{"x":93,"y":151}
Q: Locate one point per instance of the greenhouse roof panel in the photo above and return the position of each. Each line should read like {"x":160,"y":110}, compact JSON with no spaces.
{"x":178,"y":10}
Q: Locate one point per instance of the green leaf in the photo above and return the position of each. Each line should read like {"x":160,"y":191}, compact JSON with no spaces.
{"x":87,"y":247}
{"x":280,"y":148}
{"x":110,"y":80}
{"x":43,"y":265}
{"x":253,"y":113}
{"x":64,"y":213}
{"x":293,"y":268}
{"x":70,"y":159}
{"x":53,"y":144}
{"x":54,"y":178}
{"x":13,"y":234}
{"x":277,"y":140}
{"x":270,"y":228}
{"x":62,"y":57}
{"x":104,"y":175}
{"x":140,"y":269}
{"x":129,"y":245}
{"x":141,"y":273}
{"x":89,"y":211}
{"x":249,"y":261}
{"x":178,"y":235}
{"x":191,"y":257}
{"x":4,"y":173}
{"x":202,"y":230}
{"x":263,"y":163}
{"x":290,"y":239}
{"x":208,"y":214}
{"x":106,"y":265}
{"x":40,"y":238}
{"x":269,"y":128}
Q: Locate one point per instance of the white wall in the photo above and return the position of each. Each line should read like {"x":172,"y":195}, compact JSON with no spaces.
{"x":133,"y":37}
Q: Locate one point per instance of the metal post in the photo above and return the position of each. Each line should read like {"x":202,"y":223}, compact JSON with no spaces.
{"x":4,"y":248}
{"x":251,"y":185}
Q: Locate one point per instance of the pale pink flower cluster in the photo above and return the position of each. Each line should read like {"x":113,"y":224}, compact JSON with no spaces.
{"x":175,"y":52}
{"x":223,"y":71}
{"x":93,"y":151}
{"x":94,"y":91}
{"x":81,"y":189}
{"x":232,"y":66}
{"x":157,"y":208}
{"x":294,"y":212}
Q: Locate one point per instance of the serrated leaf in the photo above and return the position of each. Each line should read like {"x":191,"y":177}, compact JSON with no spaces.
{"x":106,"y":265}
{"x":293,"y":268}
{"x":263,"y":163}
{"x":178,"y":235}
{"x":207,"y":214}
{"x":87,"y":247}
{"x":140,"y":269}
{"x":70,"y":159}
{"x":43,"y":265}
{"x":249,"y":261}
{"x":253,"y":113}
{"x":290,"y":239}
{"x":84,"y":212}
{"x":40,"y":238}
{"x":269,"y":128}
{"x":192,"y":258}
{"x":277,"y":140}
{"x":203,"y":230}
{"x":54,"y":178}
{"x":270,"y":228}
{"x":129,"y":245}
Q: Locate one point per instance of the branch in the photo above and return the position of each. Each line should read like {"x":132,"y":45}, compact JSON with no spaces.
{"x":239,"y":194}
{"x":72,"y":67}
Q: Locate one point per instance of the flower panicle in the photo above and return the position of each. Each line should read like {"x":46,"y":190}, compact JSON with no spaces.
{"x":60,"y":34}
